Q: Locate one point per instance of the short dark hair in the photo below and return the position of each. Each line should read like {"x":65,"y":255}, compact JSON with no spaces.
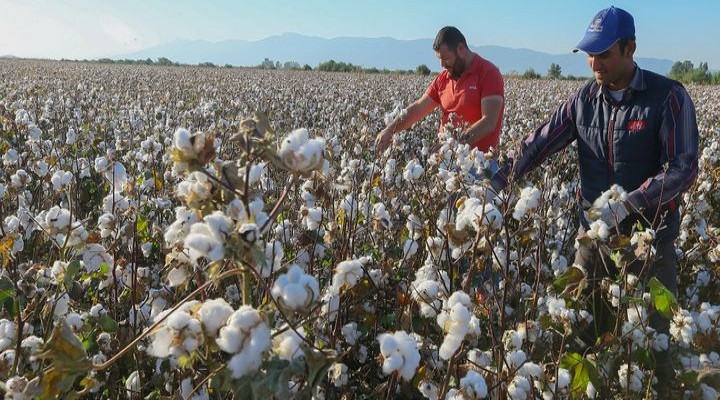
{"x":449,"y":36}
{"x":624,"y":42}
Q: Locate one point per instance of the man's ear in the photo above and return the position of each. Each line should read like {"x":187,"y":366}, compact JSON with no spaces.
{"x":462,"y":49}
{"x":630,"y":48}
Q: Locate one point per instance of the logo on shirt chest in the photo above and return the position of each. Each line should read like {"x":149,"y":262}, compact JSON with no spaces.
{"x":636,"y":125}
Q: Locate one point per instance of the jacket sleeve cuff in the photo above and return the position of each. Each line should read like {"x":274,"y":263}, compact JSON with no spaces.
{"x":499,"y":181}
{"x":637,"y":200}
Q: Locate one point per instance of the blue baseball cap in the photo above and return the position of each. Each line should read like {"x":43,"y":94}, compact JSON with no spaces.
{"x":606,"y":28}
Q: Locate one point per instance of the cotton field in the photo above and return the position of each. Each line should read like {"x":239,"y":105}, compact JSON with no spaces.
{"x":228,"y":233}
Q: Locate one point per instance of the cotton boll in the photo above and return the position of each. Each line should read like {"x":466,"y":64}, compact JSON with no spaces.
{"x":287,"y":343}
{"x":519,"y":388}
{"x":177,"y":276}
{"x":61,"y":179}
{"x":337,"y":373}
{"x":295,"y":290}
{"x":350,"y":333}
{"x":563,"y":378}
{"x":178,"y":320}
{"x":61,"y":305}
{"x":474,"y":385}
{"x":429,"y":389}
{"x":347,"y":274}
{"x":454,"y":321}
{"x":391,"y":364}
{"x":400,"y":353}
{"x":240,"y":364}
{"x":133,"y":385}
{"x":482,"y":359}
{"x":248,"y":337}
{"x":413,"y":170}
{"x":409,"y":248}
{"x":213,"y":314}
{"x":301,"y":154}
{"x":516,"y":358}
{"x":75,"y":321}
{"x":388,"y":343}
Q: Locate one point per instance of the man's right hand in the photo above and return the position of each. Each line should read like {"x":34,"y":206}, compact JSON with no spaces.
{"x":383,"y":139}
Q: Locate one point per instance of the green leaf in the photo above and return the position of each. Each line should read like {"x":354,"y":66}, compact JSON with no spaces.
{"x":631,"y":300}
{"x":388,"y":320}
{"x":104,"y":268}
{"x":689,"y":377}
{"x":663,"y":299}
{"x":545,"y":321}
{"x":7,"y":296}
{"x":68,"y":361}
{"x":108,"y":324}
{"x":72,"y":269}
{"x":273,"y":382}
{"x":570,"y":361}
{"x":583,"y":370}
{"x":142,"y":227}
{"x":318,"y":363}
{"x":7,"y":289}
{"x":572,"y":276}
{"x":617,"y":258}
{"x":644,"y":357}
{"x":584,"y":373}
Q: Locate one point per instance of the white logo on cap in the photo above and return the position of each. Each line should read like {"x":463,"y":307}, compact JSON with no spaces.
{"x":596,"y":25}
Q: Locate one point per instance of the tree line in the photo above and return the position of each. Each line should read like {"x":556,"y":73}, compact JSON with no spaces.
{"x":686,"y":72}
{"x":683,"y":71}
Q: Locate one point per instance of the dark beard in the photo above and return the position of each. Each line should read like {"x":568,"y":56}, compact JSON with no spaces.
{"x":457,"y":70}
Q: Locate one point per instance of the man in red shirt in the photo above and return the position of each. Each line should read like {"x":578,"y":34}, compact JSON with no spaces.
{"x":469,"y":87}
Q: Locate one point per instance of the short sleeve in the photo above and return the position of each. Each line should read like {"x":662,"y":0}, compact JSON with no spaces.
{"x":492,"y":83}
{"x":432,"y":90}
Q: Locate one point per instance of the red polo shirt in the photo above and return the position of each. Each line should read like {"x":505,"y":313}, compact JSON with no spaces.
{"x":462,"y":97}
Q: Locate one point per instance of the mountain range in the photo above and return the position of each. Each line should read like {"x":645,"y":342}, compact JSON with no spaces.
{"x":380,"y":53}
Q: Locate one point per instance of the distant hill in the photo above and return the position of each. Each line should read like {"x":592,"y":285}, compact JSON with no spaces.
{"x":8,"y":56}
{"x":367,"y":52}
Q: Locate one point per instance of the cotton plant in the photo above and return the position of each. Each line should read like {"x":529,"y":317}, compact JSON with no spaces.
{"x":429,"y":389}
{"x":400,"y":354}
{"x":630,"y":377}
{"x":683,"y":328}
{"x":454,"y":321}
{"x":295,"y":290}
{"x":473,"y":386}
{"x":61,"y":227}
{"x":207,"y":239}
{"x":528,"y":202}
{"x":413,"y":171}
{"x":348,"y":273}
{"x":181,"y":146}
{"x":474,"y":213}
{"x":113,"y":171}
{"x":61,"y":180}
{"x":610,"y":207}
{"x":286,"y":342}
{"x":246,"y":336}
{"x":191,"y":150}
{"x":301,"y":154}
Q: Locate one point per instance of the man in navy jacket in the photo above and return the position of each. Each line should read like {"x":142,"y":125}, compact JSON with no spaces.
{"x":633,"y":128}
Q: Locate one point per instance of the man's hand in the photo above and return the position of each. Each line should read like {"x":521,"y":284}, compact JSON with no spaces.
{"x":383,"y":139}
{"x":612,"y":214}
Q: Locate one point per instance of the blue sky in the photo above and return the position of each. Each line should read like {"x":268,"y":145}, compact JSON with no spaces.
{"x":676,"y":30}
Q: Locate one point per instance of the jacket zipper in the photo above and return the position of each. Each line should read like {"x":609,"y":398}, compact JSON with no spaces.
{"x":611,"y":136}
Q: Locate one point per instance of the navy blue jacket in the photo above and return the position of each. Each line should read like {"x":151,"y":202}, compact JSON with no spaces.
{"x":647,"y":143}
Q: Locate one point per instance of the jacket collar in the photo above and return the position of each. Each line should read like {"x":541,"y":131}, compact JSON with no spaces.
{"x":637,"y":83}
